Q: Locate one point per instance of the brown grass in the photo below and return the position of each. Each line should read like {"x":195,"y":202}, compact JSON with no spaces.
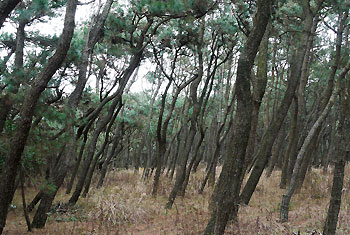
{"x":125,"y":206}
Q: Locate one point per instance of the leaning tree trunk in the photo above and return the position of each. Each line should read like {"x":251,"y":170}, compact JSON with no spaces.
{"x":189,"y":169}
{"x":196,"y":106}
{"x":48,"y":194}
{"x":272,"y":131}
{"x":227,"y":189}
{"x":58,"y":177}
{"x":20,"y":135}
{"x":276,"y":151}
{"x":289,"y":193}
{"x":76,"y":166}
{"x":161,"y":135}
{"x":134,"y":63}
{"x":6,"y":7}
{"x":116,"y":148}
{"x":342,"y":154}
{"x":259,"y":86}
{"x":101,"y":124}
{"x":330,"y":225}
{"x":290,"y":157}
{"x":103,"y":148}
{"x":327,"y":94}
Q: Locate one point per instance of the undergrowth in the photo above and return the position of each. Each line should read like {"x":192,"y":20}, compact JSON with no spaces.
{"x":124,"y":205}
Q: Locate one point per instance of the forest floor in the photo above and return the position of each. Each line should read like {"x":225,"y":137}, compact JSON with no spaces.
{"x":125,"y":206}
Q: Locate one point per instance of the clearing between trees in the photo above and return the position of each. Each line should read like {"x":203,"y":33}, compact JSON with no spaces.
{"x":125,"y":206}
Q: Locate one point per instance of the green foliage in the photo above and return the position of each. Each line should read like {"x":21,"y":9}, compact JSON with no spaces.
{"x":74,"y":52}
{"x":48,"y":187}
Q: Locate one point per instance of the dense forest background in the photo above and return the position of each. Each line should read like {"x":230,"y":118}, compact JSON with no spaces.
{"x":233,"y":89}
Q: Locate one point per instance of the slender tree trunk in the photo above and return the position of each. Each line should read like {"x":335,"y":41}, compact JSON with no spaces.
{"x":101,"y":124}
{"x":189,"y":168}
{"x":6,"y":7}
{"x":116,"y":148}
{"x":226,"y":193}
{"x":259,"y":86}
{"x":343,"y":138}
{"x":289,"y":193}
{"x":330,"y":150}
{"x":76,"y":167}
{"x":291,"y":152}
{"x":276,"y":150}
{"x":27,"y":111}
{"x":330,"y":225}
{"x":271,"y":133}
{"x":48,"y":193}
{"x":25,"y":208}
{"x":305,"y":164}
{"x":92,"y":168}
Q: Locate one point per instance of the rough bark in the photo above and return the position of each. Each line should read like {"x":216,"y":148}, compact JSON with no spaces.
{"x":335,"y":202}
{"x":271,"y":133}
{"x":76,"y":166}
{"x":27,"y":111}
{"x":276,"y":150}
{"x":259,"y":86}
{"x":226,"y":193}
{"x":116,"y":148}
{"x":342,"y":140}
{"x":290,"y":155}
{"x":325,"y":97}
{"x":57,"y":178}
{"x":289,"y":193}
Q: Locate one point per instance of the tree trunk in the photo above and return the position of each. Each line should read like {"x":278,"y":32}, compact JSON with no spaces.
{"x":6,"y":7}
{"x":276,"y":150}
{"x":259,"y":86}
{"x":227,"y":188}
{"x":289,"y":193}
{"x":92,"y":168}
{"x":291,"y":151}
{"x":330,"y":225}
{"x":48,"y":193}
{"x":342,"y":140}
{"x":189,"y":168}
{"x":76,"y":167}
{"x":101,"y":124}
{"x":271,"y":133}
{"x":27,"y":111}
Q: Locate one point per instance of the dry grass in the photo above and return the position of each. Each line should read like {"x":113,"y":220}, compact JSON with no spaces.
{"x":125,"y":206}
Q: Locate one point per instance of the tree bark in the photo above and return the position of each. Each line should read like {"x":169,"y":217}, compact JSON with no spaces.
{"x":271,"y":133}
{"x":289,"y":193}
{"x":226,"y":193}
{"x":27,"y":111}
{"x":76,"y":166}
{"x":330,"y":225}
{"x":342,"y":140}
{"x":6,"y":7}
{"x":116,"y":148}
{"x":276,"y":150}
{"x":57,"y":178}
